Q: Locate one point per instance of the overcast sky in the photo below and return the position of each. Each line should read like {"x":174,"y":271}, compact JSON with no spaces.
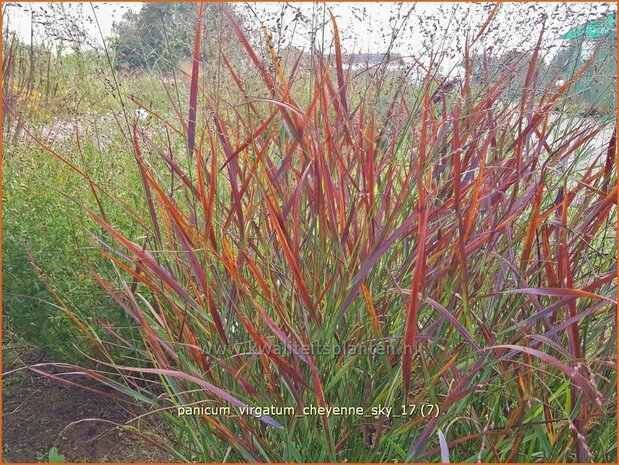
{"x":20,"y":14}
{"x":365,"y":27}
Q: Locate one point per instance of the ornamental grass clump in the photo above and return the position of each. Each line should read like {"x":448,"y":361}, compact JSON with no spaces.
{"x":440,"y":267}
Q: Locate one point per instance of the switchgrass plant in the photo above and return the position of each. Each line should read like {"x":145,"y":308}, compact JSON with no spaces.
{"x":316,"y":277}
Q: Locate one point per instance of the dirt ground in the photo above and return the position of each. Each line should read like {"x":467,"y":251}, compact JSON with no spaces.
{"x":36,"y":412}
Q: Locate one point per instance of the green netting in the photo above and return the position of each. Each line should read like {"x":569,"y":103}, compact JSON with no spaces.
{"x":594,"y":29}
{"x":596,"y":89}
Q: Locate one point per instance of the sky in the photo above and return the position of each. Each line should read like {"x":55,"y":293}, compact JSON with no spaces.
{"x":364,"y":26}
{"x":368,"y":26}
{"x":20,"y":15}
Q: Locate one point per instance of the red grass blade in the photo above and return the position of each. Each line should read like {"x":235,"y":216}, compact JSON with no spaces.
{"x":411,"y":326}
{"x":193,"y":91}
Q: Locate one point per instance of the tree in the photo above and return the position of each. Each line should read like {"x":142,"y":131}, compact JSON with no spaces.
{"x":162,"y":34}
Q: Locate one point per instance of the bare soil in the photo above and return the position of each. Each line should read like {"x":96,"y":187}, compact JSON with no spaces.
{"x":37,"y":414}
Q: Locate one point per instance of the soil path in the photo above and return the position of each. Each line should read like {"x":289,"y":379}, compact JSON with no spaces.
{"x":37,"y":412}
